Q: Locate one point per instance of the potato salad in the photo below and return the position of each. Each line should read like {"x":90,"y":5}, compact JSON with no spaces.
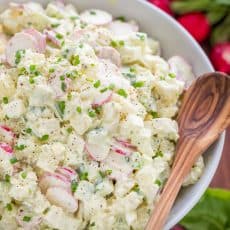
{"x":87,"y":119}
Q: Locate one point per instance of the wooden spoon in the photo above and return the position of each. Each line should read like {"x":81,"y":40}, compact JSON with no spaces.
{"x":203,"y":116}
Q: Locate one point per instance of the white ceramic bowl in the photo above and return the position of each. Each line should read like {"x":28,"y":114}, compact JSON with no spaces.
{"x":174,"y":40}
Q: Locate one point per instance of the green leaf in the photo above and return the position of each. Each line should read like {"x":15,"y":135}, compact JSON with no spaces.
{"x":221,"y":33}
{"x":182,"y":7}
{"x":211,"y":213}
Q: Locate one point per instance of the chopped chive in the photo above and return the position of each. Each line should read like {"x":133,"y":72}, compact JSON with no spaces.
{"x":7,"y":178}
{"x":19,"y":54}
{"x":138,"y":84}
{"x":141,"y":36}
{"x":59,"y":36}
{"x":31,"y":80}
{"x":111,"y":86}
{"x":44,"y":137}
{"x":122,"y":93}
{"x":172,"y":75}
{"x":158,"y":182}
{"x":91,"y":113}
{"x":121,"y":18}
{"x":62,"y":77}
{"x":92,"y":12}
{"x":23,"y":175}
{"x":97,"y":84}
{"x":74,"y":186}
{"x":51,"y":70}
{"x":13,"y":160}
{"x":26,"y":218}
{"x":132,"y":70}
{"x":81,"y":46}
{"x":162,"y":78}
{"x":61,"y":107}
{"x":79,"y":110}
{"x":75,"y":60}
{"x":32,"y":68}
{"x":20,"y":147}
{"x":103,"y":174}
{"x":70,"y":130}
{"x":63,"y":86}
{"x":103,"y":90}
{"x":154,"y":114}
{"x":29,"y":130}
{"x":55,"y":25}
{"x":158,"y":154}
{"x":113,"y":43}
{"x":5,"y":100}
{"x":83,"y":175}
{"x":69,"y":96}
{"x":121,"y":43}
{"x":136,"y":188}
{"x":9,"y":207}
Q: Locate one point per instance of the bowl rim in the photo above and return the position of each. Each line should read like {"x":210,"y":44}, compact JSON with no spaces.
{"x":206,"y":179}
{"x":174,"y":219}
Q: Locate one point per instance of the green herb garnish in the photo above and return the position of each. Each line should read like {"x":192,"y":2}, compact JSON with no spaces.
{"x":122,"y":93}
{"x":13,"y":160}
{"x":20,"y":147}
{"x":75,"y":60}
{"x":44,"y":137}
{"x":92,"y":113}
{"x":27,"y":218}
{"x":97,"y":84}
{"x":138,"y":84}
{"x":23,"y":175}
{"x":83,"y":175}
{"x":5,"y":100}
{"x":79,"y":110}
{"x":74,"y":186}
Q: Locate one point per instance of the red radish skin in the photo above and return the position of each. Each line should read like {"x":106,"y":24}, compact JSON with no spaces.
{"x":163,"y":5}
{"x":6,"y":148}
{"x":51,"y":36}
{"x":126,"y":143}
{"x":40,"y":38}
{"x":67,"y":172}
{"x":53,"y":179}
{"x":197,"y":25}
{"x":220,"y":57}
{"x":178,"y":227}
{"x":95,"y":152}
{"x":102,"y":99}
{"x":7,"y":133}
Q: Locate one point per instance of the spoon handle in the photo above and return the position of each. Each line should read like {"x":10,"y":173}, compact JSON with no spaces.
{"x":172,"y":188}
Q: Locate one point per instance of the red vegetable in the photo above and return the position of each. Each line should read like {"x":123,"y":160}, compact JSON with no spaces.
{"x":220,"y":57}
{"x":162,"y":4}
{"x":177,"y":227}
{"x":197,"y":24}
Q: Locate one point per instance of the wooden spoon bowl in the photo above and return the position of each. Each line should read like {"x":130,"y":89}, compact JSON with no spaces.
{"x":203,"y":116}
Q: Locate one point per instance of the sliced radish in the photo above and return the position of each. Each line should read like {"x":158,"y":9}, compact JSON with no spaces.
{"x":40,"y":38}
{"x":120,"y":28}
{"x":126,"y":143}
{"x":102,"y":99}
{"x":28,"y":225}
{"x":6,"y":148}
{"x":7,"y":134}
{"x":20,"y":41}
{"x":96,"y":17}
{"x":123,"y":147}
{"x":111,"y":54}
{"x":51,"y":36}
{"x":96,"y":151}
{"x":67,"y":172}
{"x":62,"y":198}
{"x":118,"y":164}
{"x":53,"y":180}
{"x":183,"y":71}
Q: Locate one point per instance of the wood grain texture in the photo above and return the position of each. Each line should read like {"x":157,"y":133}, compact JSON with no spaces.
{"x":204,"y":114}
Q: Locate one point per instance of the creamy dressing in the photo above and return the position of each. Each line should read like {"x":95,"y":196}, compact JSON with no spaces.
{"x":87,"y":129}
